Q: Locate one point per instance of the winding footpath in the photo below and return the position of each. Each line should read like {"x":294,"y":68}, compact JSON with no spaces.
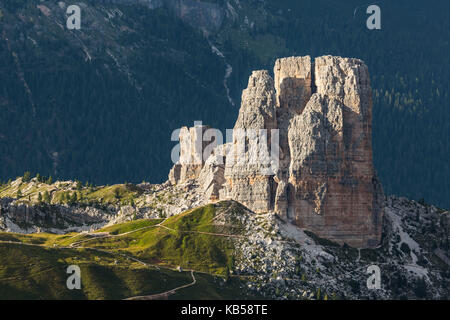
{"x":76,"y":245}
{"x":166,"y":294}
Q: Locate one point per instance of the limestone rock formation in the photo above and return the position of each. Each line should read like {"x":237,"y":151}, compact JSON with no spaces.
{"x":333,"y":188}
{"x":324,"y":180}
{"x":258,"y":103}
{"x":191,"y":159}
{"x":26,"y":217}
{"x":293,"y":82}
{"x":245,"y":172}
{"x":212,"y":175}
{"x":293,"y":85}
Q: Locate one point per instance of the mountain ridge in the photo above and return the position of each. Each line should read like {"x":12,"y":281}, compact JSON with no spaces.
{"x":99,"y":103}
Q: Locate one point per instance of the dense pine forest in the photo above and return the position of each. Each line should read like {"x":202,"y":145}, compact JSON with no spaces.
{"x":100,"y":104}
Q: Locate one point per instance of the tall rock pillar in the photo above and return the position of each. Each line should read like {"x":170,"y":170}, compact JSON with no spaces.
{"x":333,"y":190}
{"x":247,"y":178}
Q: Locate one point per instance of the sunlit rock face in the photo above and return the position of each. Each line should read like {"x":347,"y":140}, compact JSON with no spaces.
{"x":333,"y":190}
{"x":191,"y":160}
{"x":331,"y":187}
{"x":324,"y":179}
{"x":247,"y":180}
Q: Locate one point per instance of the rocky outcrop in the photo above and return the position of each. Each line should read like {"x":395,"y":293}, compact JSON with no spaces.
{"x":191,"y":158}
{"x":324,"y":180}
{"x":258,"y":103}
{"x":415,"y":246}
{"x":212,"y":176}
{"x":293,"y":82}
{"x":245,"y":172}
{"x":26,"y":217}
{"x":333,"y":188}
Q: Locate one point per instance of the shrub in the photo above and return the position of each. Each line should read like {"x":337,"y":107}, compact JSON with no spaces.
{"x":26,"y":177}
{"x":46,"y":197}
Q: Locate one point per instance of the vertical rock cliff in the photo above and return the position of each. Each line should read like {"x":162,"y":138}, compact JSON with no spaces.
{"x":191,"y":159}
{"x":333,"y":190}
{"x":324,"y":181}
{"x":247,"y":180}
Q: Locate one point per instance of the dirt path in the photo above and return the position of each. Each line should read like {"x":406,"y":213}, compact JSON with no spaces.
{"x":163,"y":295}
{"x":159,"y":225}
{"x":166,"y":294}
{"x":21,"y":277}
{"x":207,"y":233}
{"x":86,"y":248}
{"x":108,"y":235}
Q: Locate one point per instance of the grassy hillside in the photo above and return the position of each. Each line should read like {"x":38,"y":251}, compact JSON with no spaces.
{"x":124,"y":260}
{"x":39,"y":273}
{"x":188,"y":240}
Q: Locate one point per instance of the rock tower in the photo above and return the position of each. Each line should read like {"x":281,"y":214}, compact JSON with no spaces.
{"x":325,"y":181}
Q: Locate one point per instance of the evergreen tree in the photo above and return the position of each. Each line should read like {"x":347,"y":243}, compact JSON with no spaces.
{"x":46,"y":197}
{"x":73,"y":198}
{"x":26,"y":177}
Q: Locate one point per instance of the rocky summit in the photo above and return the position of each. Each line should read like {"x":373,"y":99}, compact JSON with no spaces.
{"x":324,"y":180}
